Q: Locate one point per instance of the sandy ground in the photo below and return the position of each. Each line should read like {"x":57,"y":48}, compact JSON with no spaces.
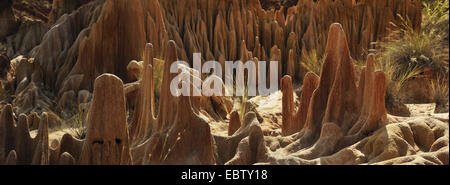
{"x":421,"y":109}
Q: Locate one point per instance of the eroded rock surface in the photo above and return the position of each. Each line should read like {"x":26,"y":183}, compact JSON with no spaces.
{"x":79,"y":61}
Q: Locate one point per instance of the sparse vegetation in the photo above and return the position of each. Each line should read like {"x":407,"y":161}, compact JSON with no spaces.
{"x":435,"y":18}
{"x":396,"y":79}
{"x":77,"y":124}
{"x":407,"y":49}
{"x":312,"y":61}
{"x":407,"y":52}
{"x":440,"y":90}
{"x":158,"y":71}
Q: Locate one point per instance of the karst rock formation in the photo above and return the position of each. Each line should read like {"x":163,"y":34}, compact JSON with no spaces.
{"x":101,"y":57}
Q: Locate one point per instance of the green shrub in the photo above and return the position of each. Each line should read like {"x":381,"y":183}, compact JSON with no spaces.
{"x":406,"y":52}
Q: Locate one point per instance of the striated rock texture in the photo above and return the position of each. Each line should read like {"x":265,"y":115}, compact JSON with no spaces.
{"x":341,"y":114}
{"x":61,"y":7}
{"x":7,"y":19}
{"x":107,"y":136}
{"x":87,"y":47}
{"x":345,"y":123}
{"x":180,"y":133}
{"x":86,"y":38}
{"x":91,"y":40}
{"x":16,"y":144}
{"x":29,"y":97}
{"x":29,"y":34}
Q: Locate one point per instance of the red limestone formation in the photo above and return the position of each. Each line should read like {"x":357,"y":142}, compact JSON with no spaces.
{"x":342,"y":114}
{"x":179,"y":134}
{"x":78,"y":66}
{"x":15,"y":136}
{"x":219,"y":29}
{"x":107,"y":139}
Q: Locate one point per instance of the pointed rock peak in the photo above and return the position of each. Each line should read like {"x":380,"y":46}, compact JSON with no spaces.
{"x":337,"y":41}
{"x":7,"y":115}
{"x":43,"y":127}
{"x":370,"y":64}
{"x":22,"y":124}
{"x":171,"y":53}
{"x":235,"y":123}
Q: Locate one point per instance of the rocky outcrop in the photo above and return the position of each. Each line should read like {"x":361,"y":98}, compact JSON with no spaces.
{"x":32,"y":10}
{"x":337,"y":119}
{"x":244,"y":146}
{"x":263,"y":31}
{"x":5,"y":66}
{"x":293,"y":121}
{"x":16,"y":144}
{"x":107,"y":136}
{"x":61,"y":7}
{"x":95,"y":59}
{"x":50,"y":62}
{"x":28,"y":80}
{"x":59,"y":49}
{"x":422,"y":141}
{"x":346,"y":123}
{"x":7,"y":19}
{"x":340,"y":112}
{"x":179,"y":133}
{"x":28,"y":36}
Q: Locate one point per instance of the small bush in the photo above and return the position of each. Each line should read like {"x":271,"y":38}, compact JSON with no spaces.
{"x":312,"y":61}
{"x":77,"y":124}
{"x":406,"y":52}
{"x":440,"y":90}
{"x":406,"y":49}
{"x":435,"y":18}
